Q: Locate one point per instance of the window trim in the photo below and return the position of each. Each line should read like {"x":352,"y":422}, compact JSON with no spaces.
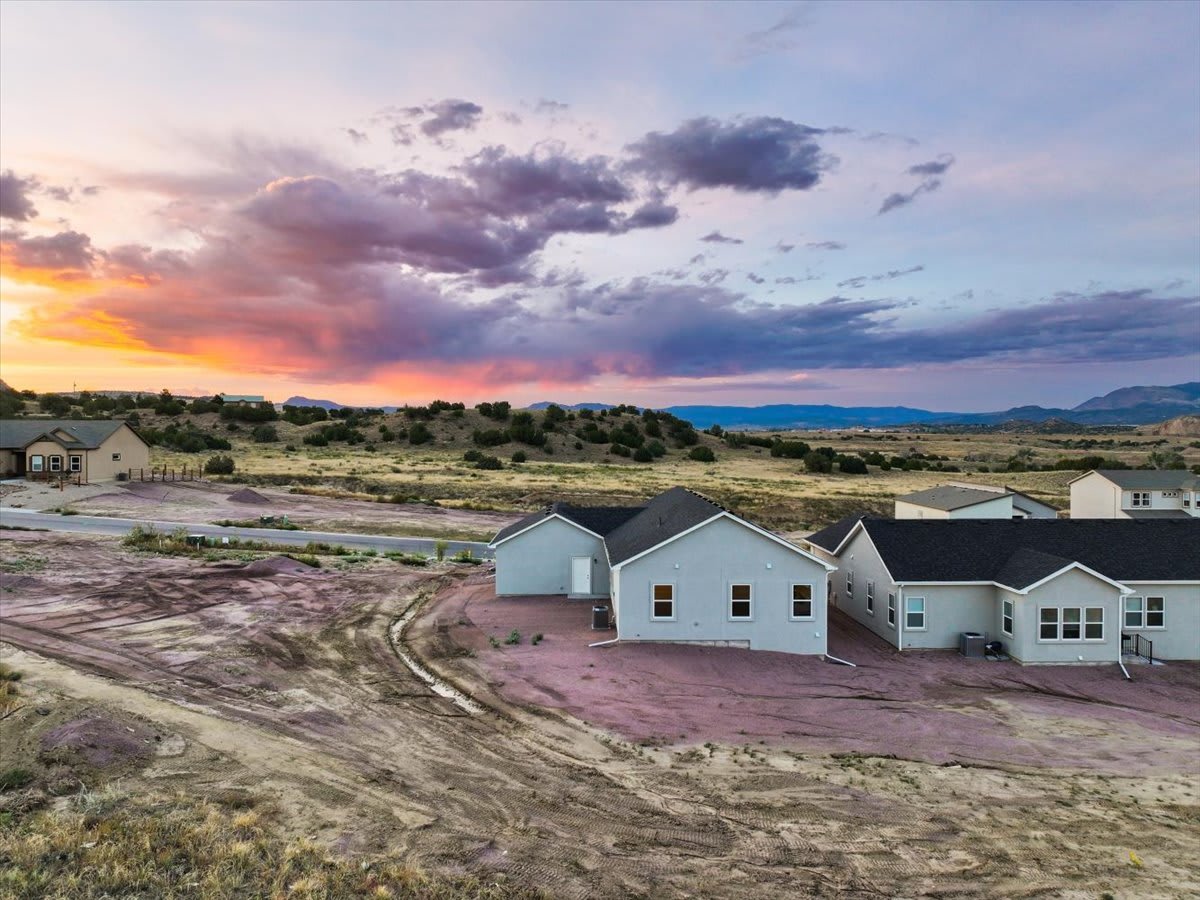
{"x":891,"y":611}
{"x":1143,"y":613}
{"x":1008,"y":611}
{"x":812,"y":602}
{"x":1162,"y":613}
{"x":1060,"y":623}
{"x":870,"y":604}
{"x":116,"y":457}
{"x":674,"y":602}
{"x":56,"y":462}
{"x":850,"y":584}
{"x":75,"y":463}
{"x":1140,"y":499}
{"x":924,"y":626}
{"x":37,"y":462}
{"x":729,"y":616}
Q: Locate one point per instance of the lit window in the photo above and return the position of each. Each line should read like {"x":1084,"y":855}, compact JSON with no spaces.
{"x":802,"y":603}
{"x":663,"y":601}
{"x":739,"y":601}
{"x":914,"y":613}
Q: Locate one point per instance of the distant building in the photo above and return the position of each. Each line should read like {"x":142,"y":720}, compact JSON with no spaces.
{"x":93,"y":450}
{"x":1135,"y":494}
{"x":971,"y":501}
{"x":243,"y":398}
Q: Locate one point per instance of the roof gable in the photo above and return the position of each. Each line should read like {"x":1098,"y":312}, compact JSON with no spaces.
{"x":669,"y":514}
{"x":950,"y":497}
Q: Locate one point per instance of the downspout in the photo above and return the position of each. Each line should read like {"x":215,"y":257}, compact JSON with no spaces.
{"x":899,"y":617}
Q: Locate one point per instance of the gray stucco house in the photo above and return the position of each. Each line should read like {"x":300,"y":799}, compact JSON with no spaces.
{"x":679,"y":568}
{"x":1136,"y":494}
{"x":972,"y":501}
{"x":1050,"y":590}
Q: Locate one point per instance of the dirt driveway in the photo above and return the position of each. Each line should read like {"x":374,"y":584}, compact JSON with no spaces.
{"x":281,"y":680}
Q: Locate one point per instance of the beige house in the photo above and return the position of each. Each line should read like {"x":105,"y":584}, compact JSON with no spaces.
{"x":93,"y":450}
{"x":971,"y":501}
{"x":1135,"y":494}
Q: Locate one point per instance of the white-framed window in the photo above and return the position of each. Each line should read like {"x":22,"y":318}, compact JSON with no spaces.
{"x":56,"y":463}
{"x":849,"y":582}
{"x":662,"y":602}
{"x":1139,"y":498}
{"x":1187,"y":500}
{"x":914,"y":613}
{"x":1006,"y":617}
{"x":37,"y":463}
{"x":1145,"y":612}
{"x":741,"y":602}
{"x":1071,"y":623}
{"x":891,"y":609}
{"x":802,"y":601}
{"x":116,"y":457}
{"x":76,"y":462}
{"x":870,"y":603}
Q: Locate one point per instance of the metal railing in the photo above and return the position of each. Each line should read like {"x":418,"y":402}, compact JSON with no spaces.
{"x":1137,"y":645}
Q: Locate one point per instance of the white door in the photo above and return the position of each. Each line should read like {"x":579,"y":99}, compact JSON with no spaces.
{"x":581,"y":574}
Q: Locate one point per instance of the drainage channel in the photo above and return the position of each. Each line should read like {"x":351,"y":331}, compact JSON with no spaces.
{"x":437,"y":685}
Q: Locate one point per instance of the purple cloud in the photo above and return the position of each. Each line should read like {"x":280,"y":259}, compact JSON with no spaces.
{"x":715,"y":237}
{"x":15,"y":203}
{"x":451,"y":115}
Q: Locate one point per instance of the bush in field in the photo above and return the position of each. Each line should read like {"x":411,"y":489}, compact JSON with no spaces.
{"x":852,"y":465}
{"x":642,"y":455}
{"x":656,"y":449}
{"x":249,"y":412}
{"x":702,"y":454}
{"x":817,"y":462}
{"x":489,"y":462}
{"x":498,"y":410}
{"x":472,"y":456}
{"x":790,"y":449}
{"x":304,"y":415}
{"x":219,"y":465}
{"x":265,"y":434}
{"x":619,"y":450}
{"x":489,"y":437}
{"x":519,"y":456}
{"x":419,"y":433}
{"x":523,"y":429}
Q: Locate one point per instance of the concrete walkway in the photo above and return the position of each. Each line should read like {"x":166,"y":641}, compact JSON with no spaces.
{"x":22,"y":518}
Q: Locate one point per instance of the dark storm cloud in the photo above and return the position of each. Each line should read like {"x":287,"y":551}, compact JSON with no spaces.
{"x":451,"y":115}
{"x":763,"y":155}
{"x":15,"y":202}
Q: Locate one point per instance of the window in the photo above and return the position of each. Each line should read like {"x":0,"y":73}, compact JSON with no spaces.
{"x":37,"y":462}
{"x":56,"y":463}
{"x":802,"y":602}
{"x":662,"y":606}
{"x":1135,"y":612}
{"x":1071,"y":623}
{"x":1155,"y":612}
{"x":116,"y":457}
{"x":739,"y":601}
{"x":76,"y":463}
{"x":1140,"y":498}
{"x":914,"y":613}
{"x":1048,"y":627}
{"x":849,"y":582}
{"x":1006,"y":617}
{"x":892,"y":610}
{"x":1187,"y":500}
{"x":870,"y":603}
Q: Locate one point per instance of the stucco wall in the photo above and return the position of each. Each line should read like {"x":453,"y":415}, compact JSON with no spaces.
{"x":859,"y":556}
{"x":702,"y":565}
{"x":1074,"y":588}
{"x":906,"y":510}
{"x":949,"y":611}
{"x":539,"y":561}
{"x":8,"y":462}
{"x":134,"y":455}
{"x":1000,"y":508}
{"x":1095,"y":497}
{"x":1179,"y":638}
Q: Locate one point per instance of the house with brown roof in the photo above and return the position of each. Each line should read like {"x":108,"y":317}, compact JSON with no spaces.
{"x":93,"y":450}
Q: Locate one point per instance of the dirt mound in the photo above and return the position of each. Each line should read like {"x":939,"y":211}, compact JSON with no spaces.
{"x":277,"y":565}
{"x":16,"y":582}
{"x":1180,"y":426}
{"x":245,"y":495}
{"x":99,"y":741}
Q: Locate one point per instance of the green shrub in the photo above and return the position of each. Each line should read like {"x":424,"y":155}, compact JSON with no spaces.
{"x":514,"y":637}
{"x":519,"y":456}
{"x":489,"y":462}
{"x":536,"y":639}
{"x":265,"y":434}
{"x":642,"y":455}
{"x":852,"y":465}
{"x":702,"y":454}
{"x":817,"y":462}
{"x":419,"y":433}
{"x":219,"y":465}
{"x":12,"y":779}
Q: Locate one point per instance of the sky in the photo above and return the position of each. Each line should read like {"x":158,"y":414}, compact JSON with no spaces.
{"x":953,"y":206}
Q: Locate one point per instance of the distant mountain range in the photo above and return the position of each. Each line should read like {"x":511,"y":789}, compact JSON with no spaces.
{"x":1139,"y":405}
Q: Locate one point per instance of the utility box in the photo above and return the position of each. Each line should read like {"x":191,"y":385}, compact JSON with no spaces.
{"x":970,"y":644}
{"x":195,"y":540}
{"x":600,"y":618}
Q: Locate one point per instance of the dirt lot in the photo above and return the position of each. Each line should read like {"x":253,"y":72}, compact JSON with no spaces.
{"x":931,"y":706}
{"x":207,"y":502}
{"x":278,"y":680}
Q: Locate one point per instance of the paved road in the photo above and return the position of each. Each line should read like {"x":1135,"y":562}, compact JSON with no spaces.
{"x":24,"y":518}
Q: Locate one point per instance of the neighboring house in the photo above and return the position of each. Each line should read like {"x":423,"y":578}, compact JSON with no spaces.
{"x":970,"y":501}
{"x":1051,"y":591}
{"x":679,"y":568}
{"x":1135,"y":494}
{"x":95,"y":450}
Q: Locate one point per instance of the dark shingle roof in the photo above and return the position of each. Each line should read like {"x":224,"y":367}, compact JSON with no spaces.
{"x":598,"y":519}
{"x":1157,"y":513}
{"x":831,"y":537}
{"x":16,"y":434}
{"x":1026,"y":567}
{"x":949,"y":496}
{"x":670,"y":513}
{"x":980,"y":549}
{"x":1149,"y":479}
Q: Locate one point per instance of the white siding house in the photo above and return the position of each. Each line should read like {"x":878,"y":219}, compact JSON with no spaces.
{"x":1135,"y":494}
{"x":971,"y":501}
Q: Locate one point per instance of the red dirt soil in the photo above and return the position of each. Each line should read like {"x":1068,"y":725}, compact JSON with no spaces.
{"x":933,"y":706}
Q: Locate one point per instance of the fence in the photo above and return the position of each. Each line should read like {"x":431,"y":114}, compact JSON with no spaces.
{"x":162,"y":473}
{"x":59,"y":479}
